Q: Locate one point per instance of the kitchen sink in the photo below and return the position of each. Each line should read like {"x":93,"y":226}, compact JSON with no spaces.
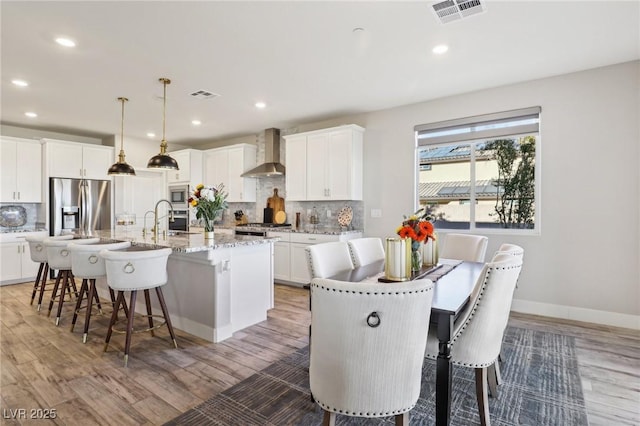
{"x":178,"y":233}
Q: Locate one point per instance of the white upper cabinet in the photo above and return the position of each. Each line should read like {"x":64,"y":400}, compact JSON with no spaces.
{"x":226,"y":165}
{"x":296,"y":175}
{"x":78,"y":160}
{"x":325,"y":164}
{"x":190,"y":164}
{"x":21,"y":174}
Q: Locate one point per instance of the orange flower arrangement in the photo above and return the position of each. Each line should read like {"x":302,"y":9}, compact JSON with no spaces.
{"x":417,"y":227}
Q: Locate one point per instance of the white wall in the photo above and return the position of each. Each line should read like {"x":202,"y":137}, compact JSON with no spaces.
{"x":589,"y":166}
{"x":584,"y":264}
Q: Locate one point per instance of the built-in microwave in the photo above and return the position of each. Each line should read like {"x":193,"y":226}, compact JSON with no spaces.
{"x":179,"y":196}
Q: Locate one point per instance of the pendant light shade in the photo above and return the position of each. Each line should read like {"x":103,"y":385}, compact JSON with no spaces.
{"x":163,"y":160}
{"x":121,"y":167}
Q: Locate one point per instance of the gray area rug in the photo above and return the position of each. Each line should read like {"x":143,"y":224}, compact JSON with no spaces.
{"x":541,"y":386}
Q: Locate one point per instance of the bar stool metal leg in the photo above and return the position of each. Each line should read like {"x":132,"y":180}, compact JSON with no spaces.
{"x":36,"y":283}
{"x":87,"y":318}
{"x":92,"y":289}
{"x":65,"y":286}
{"x":55,"y":292}
{"x":42,"y":285}
{"x":114,"y":317}
{"x":147,"y":300}
{"x":83,"y":290}
{"x":165,"y":312}
{"x":132,"y":310}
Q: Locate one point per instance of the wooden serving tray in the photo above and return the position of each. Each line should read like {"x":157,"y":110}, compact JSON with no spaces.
{"x":425,"y":270}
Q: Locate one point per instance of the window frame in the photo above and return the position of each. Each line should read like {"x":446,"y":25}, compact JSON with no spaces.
{"x":481,"y":137}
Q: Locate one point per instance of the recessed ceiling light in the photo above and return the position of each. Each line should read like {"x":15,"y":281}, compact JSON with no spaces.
{"x":151,"y":135}
{"x":261,"y":105}
{"x":66,"y":42}
{"x":31,"y":114}
{"x":440,"y":49}
{"x":20,"y":83}
{"x":196,"y":122}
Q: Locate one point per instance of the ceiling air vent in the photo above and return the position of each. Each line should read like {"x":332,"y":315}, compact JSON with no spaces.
{"x":204,"y":94}
{"x":452,"y":10}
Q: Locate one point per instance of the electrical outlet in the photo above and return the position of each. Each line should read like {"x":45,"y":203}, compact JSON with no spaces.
{"x":328,"y":213}
{"x":376,"y":212}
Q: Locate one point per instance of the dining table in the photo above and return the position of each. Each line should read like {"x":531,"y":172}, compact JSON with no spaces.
{"x":454,"y":281}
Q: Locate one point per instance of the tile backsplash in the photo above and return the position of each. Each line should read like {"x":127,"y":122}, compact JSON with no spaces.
{"x":32,"y":217}
{"x":265,"y":187}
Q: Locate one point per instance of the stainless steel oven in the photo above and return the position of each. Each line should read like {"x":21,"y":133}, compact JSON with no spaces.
{"x":179,"y":196}
{"x":180,"y":220}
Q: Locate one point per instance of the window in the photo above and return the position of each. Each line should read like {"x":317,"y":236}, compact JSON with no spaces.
{"x":480,"y":172}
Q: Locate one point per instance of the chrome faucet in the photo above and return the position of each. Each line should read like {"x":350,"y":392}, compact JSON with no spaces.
{"x":156,"y":220}
{"x":144,"y":226}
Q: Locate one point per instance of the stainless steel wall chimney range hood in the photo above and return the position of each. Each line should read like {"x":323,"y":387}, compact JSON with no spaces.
{"x":271,"y":165}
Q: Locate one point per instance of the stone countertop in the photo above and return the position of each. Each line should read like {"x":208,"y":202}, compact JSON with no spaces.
{"x":183,"y":243}
{"x":309,"y":230}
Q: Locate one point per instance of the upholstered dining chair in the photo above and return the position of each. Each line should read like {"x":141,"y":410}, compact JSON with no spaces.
{"x":467,"y":247}
{"x":327,"y":259}
{"x":511,"y":249}
{"x":367,"y":348}
{"x":477,"y":337}
{"x":365,"y":250}
{"x":495,"y":378}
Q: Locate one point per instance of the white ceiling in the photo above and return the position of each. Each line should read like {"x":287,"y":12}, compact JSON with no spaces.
{"x":302,"y":58}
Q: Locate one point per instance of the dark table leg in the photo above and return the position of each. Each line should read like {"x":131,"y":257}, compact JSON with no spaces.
{"x":443,"y":370}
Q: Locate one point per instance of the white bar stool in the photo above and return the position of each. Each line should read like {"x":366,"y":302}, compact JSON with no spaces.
{"x":59,"y":259}
{"x":39,"y":255}
{"x":135,"y":270}
{"x":88,"y":265}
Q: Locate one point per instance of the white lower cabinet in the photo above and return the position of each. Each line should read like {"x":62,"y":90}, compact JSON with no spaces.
{"x":281,"y":250}
{"x":16,"y":265}
{"x":290,"y":256}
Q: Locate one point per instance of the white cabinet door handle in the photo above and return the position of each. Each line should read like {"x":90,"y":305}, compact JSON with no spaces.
{"x":18,"y":195}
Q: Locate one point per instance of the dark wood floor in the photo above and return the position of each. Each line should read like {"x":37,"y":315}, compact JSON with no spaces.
{"x":48,"y":367}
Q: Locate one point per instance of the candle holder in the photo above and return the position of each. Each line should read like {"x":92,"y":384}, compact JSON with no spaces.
{"x":397,"y":265}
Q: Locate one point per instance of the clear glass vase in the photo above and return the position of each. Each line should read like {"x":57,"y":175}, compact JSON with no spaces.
{"x":416,"y":257}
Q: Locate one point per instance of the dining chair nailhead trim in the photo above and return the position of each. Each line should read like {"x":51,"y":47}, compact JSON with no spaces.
{"x":310,"y":263}
{"x":375,"y":293}
{"x":372,"y":414}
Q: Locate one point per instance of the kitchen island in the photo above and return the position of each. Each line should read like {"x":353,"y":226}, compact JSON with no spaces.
{"x":214,"y":288}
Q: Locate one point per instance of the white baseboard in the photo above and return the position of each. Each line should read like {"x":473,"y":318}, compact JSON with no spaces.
{"x":575,"y":313}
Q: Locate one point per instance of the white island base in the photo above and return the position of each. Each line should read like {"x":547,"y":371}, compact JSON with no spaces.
{"x":213,"y":293}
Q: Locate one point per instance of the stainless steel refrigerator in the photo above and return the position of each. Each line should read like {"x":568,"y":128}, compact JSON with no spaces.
{"x":79,"y":205}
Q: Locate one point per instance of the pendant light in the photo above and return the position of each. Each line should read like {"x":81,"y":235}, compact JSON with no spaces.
{"x":121,"y":167}
{"x":163,"y":160}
